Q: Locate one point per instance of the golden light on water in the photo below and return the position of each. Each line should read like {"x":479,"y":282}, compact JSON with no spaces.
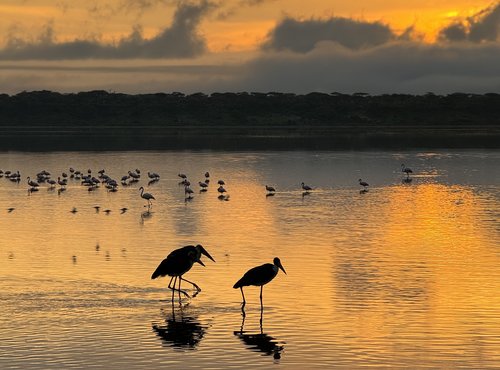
{"x":404,"y":274}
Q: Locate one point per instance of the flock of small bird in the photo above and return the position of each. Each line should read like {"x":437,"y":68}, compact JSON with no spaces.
{"x":188,"y":191}
{"x":181,"y":260}
{"x":133,"y":176}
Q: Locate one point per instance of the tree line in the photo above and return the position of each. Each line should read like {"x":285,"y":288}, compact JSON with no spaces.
{"x":247,"y":109}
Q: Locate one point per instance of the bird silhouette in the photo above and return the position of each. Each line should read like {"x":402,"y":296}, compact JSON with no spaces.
{"x":32,"y":183}
{"x":364,"y":184}
{"x":259,"y":276}
{"x":177,"y":263}
{"x":306,"y":187}
{"x":147,"y":196}
{"x":406,"y":170}
{"x":270,"y":188}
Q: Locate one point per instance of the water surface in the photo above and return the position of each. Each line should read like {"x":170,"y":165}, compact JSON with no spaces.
{"x":404,"y":275}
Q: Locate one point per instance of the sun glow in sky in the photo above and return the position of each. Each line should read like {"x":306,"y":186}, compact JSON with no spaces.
{"x":261,"y":35}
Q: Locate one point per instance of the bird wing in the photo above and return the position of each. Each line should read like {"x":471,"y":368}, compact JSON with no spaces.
{"x":259,"y":275}
{"x":168,"y":265}
{"x":177,"y":262}
{"x":163,"y":268}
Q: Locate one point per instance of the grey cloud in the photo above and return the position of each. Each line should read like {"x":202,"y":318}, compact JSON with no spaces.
{"x":402,"y":67}
{"x":397,"y":67}
{"x":142,"y":5}
{"x":254,"y":2}
{"x":482,"y":27}
{"x":453,"y":32}
{"x":486,"y":27}
{"x":234,"y":9}
{"x":180,"y":40}
{"x":303,"y":36}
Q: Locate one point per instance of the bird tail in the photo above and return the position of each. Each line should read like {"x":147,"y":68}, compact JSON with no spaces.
{"x":156,"y":273}
{"x":238,"y":284}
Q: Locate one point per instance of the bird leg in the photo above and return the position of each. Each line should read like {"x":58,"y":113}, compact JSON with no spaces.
{"x":180,"y":280}
{"x":261,"y":305}
{"x":174,"y":278}
{"x":243,"y":303}
{"x":182,"y":291}
{"x":174,"y":289}
{"x":190,"y":282}
{"x":170,"y":284}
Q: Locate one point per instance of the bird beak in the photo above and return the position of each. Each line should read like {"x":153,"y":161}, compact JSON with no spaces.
{"x":281,"y":267}
{"x":201,"y":263}
{"x":204,"y":251}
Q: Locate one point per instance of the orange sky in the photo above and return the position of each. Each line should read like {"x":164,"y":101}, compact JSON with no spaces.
{"x":259,"y":45}
{"x":232,"y":26}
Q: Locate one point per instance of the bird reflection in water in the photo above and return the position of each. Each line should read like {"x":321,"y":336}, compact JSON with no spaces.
{"x":259,"y":341}
{"x":154,"y":181}
{"x":146,"y":216}
{"x":180,"y":331}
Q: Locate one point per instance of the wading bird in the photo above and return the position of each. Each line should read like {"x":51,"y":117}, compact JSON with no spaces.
{"x":177,"y":263}
{"x":270,"y":188}
{"x":406,"y":170}
{"x":32,"y":183}
{"x":364,"y":184}
{"x":259,"y":276}
{"x":188,"y":192}
{"x":147,"y":196}
{"x":62,"y":182}
{"x":306,"y":187}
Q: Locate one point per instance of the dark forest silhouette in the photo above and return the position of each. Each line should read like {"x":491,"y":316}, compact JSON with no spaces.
{"x":162,"y":120}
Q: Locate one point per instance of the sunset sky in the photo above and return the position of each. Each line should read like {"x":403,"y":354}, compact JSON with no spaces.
{"x":134,"y":46}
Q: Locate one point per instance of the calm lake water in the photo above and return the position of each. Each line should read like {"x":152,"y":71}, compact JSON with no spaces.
{"x":405,"y":275}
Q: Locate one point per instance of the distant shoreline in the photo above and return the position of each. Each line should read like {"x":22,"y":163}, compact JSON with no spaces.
{"x":98,"y":120}
{"x":224,"y":138}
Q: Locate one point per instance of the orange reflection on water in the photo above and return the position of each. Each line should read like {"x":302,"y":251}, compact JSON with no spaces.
{"x":425,"y":274}
{"x":403,"y":274}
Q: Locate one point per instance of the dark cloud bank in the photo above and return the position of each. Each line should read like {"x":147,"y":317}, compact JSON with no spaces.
{"x":180,"y":40}
{"x":341,"y":54}
{"x":336,"y":54}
